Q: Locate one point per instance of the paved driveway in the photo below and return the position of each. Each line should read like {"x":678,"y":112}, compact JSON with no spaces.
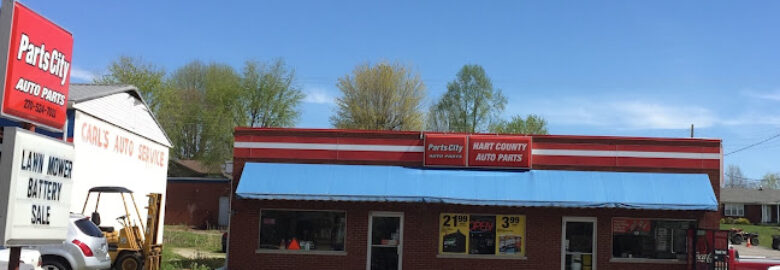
{"x":758,"y":251}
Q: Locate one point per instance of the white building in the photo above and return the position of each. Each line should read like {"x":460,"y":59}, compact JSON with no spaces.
{"x":118,"y":142}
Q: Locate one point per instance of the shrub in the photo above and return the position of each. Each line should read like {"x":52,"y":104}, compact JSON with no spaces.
{"x":729,"y":220}
{"x":742,"y":221}
{"x":722,"y":221}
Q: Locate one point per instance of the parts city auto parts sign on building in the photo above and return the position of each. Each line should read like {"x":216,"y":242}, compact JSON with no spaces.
{"x":478,"y":151}
{"x":35,"y":184}
{"x":35,"y":61}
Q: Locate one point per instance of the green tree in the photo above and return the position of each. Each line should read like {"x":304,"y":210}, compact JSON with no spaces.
{"x":471,"y":104}
{"x":532,"y":124}
{"x":200,"y":111}
{"x":271,"y":97}
{"x":384,"y":96}
{"x":771,"y":180}
{"x":148,"y":78}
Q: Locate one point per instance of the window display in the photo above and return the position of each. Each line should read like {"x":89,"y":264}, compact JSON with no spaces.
{"x":650,"y":238}
{"x":302,"y":230}
{"x":482,"y":234}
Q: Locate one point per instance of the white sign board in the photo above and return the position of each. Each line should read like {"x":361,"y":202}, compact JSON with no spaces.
{"x":35,"y":188}
{"x":112,"y":156}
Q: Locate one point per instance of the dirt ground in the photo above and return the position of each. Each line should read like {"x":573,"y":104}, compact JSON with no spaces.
{"x":192,"y":253}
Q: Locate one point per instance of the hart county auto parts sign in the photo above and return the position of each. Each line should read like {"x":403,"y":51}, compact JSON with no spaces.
{"x":35,"y":188}
{"x":35,"y":61}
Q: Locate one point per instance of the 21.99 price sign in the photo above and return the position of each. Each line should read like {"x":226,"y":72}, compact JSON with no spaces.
{"x":454,"y":233}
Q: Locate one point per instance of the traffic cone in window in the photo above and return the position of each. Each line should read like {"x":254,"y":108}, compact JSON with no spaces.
{"x":747,"y":243}
{"x":294,"y":245}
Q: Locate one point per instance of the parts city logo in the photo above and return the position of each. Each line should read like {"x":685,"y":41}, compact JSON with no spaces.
{"x":445,"y":150}
{"x":37,"y":68}
{"x":53,"y":62}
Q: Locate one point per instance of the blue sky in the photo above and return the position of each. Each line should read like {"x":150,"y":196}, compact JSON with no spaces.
{"x":640,"y":68}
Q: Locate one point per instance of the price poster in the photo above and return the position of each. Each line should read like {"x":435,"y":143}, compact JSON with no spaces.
{"x":454,"y":233}
{"x":510,"y":233}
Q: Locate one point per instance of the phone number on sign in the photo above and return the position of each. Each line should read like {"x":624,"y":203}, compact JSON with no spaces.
{"x":39,"y":108}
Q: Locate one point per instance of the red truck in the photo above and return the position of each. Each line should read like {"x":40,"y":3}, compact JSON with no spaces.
{"x":750,"y":263}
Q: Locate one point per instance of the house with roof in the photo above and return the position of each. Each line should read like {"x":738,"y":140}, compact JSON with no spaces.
{"x":757,"y":205}
{"x":118,"y":142}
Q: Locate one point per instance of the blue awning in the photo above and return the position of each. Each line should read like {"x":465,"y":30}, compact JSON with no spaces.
{"x":540,"y":188}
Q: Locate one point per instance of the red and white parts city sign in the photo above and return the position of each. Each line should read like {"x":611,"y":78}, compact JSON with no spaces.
{"x":35,"y":61}
{"x":445,"y":150}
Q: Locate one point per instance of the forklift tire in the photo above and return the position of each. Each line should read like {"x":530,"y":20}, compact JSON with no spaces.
{"x":736,"y":239}
{"x":754,"y":241}
{"x":129,"y":261}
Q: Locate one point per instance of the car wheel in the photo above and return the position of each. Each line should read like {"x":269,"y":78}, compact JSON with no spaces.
{"x":129,"y":261}
{"x":754,"y":241}
{"x":50,"y":263}
{"x":736,"y":239}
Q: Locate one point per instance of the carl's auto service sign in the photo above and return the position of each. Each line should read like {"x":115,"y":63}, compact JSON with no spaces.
{"x":35,"y":61}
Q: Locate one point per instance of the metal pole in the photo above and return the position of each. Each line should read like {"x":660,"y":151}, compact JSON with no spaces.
{"x":13,"y":262}
{"x":16,"y":252}
{"x":691,"y":130}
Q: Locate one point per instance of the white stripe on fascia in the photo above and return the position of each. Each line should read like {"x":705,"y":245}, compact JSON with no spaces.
{"x":333,"y":147}
{"x":636,"y":154}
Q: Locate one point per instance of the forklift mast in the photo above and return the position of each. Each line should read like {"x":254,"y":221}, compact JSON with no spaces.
{"x":152,"y":219}
{"x":152,"y":250}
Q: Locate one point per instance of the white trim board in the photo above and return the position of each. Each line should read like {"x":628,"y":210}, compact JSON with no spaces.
{"x":636,"y":154}
{"x":334,"y":147}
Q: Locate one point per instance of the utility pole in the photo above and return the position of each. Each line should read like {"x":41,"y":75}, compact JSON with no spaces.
{"x":691,"y":130}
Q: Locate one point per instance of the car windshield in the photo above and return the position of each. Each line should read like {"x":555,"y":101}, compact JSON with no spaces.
{"x":86,"y":226}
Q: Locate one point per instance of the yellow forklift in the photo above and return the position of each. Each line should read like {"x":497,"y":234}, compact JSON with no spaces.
{"x":129,"y":248}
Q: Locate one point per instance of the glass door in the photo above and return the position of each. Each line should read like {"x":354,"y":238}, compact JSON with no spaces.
{"x":578,"y":249}
{"x":385,"y":240}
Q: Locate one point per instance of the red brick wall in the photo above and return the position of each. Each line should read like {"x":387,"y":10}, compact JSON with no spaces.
{"x":194,"y":203}
{"x":753,"y":213}
{"x":421,"y":236}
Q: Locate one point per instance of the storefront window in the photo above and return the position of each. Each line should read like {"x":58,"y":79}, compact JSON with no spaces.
{"x":650,"y":238}
{"x":482,"y":234}
{"x":734,"y":210}
{"x":302,"y":230}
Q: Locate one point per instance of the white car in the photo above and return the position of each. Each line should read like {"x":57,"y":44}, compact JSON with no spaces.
{"x":30,"y":259}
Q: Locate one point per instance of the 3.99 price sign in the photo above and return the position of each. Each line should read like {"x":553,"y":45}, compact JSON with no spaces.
{"x":35,"y":55}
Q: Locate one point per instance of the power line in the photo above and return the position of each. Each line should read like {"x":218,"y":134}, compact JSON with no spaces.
{"x":753,"y":145}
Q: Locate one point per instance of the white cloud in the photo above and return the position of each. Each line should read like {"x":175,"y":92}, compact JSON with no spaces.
{"x":622,"y":114}
{"x":773,"y":96}
{"x":318,"y":95}
{"x":82,"y":75}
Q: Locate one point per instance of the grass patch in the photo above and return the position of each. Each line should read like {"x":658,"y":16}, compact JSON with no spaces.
{"x":764,"y":232}
{"x":184,"y":237}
